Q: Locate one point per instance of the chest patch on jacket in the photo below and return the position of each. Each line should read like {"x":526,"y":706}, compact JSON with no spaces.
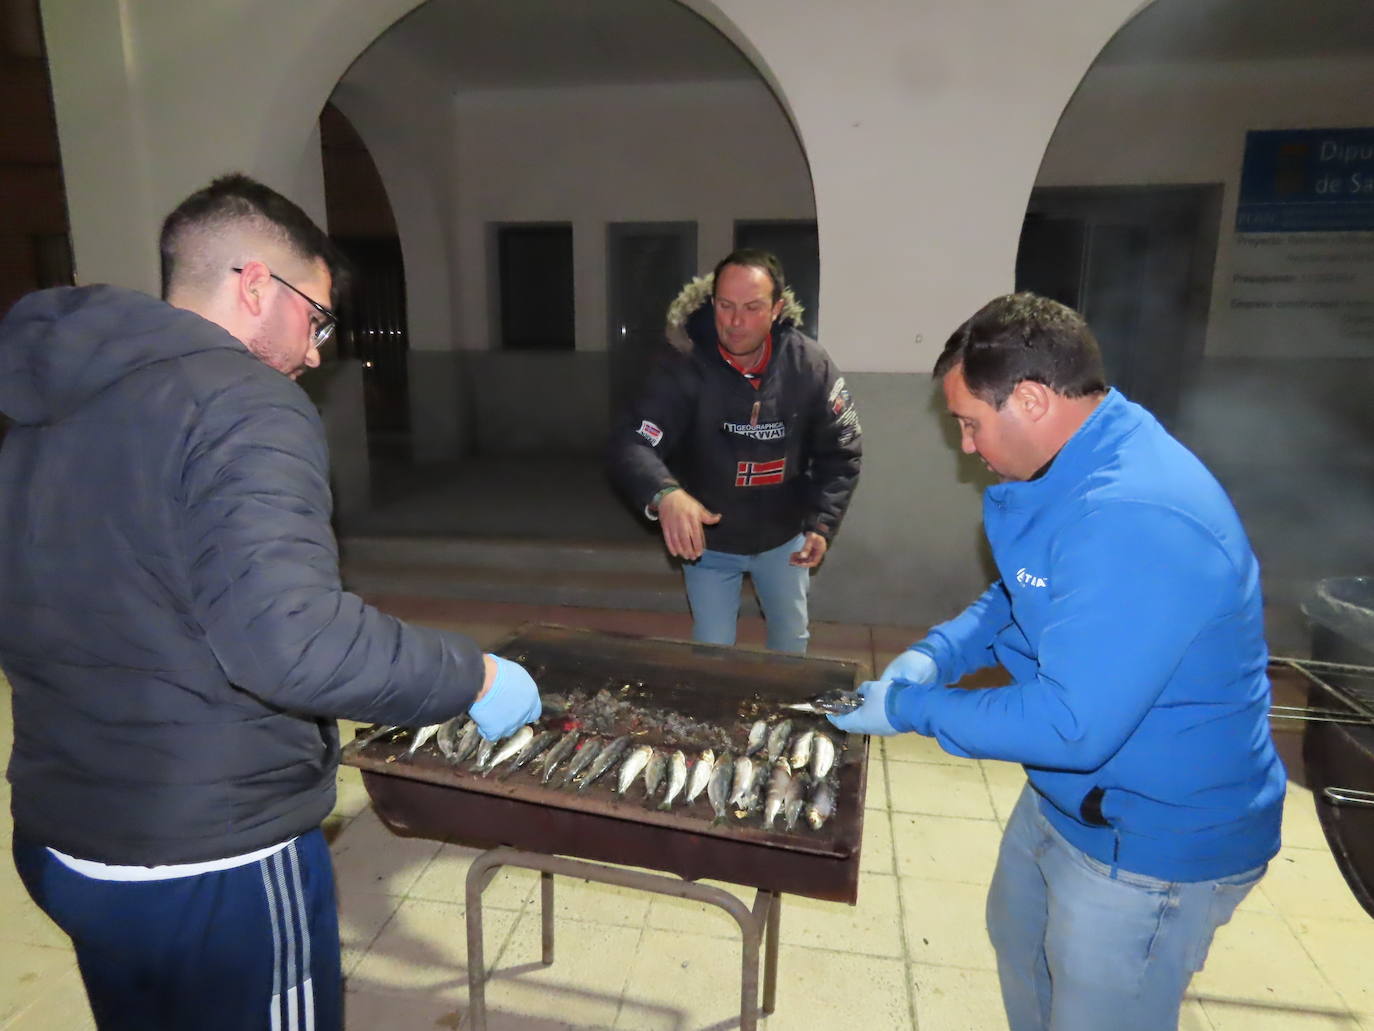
{"x":763,"y":431}
{"x":650,"y":432}
{"x":759,"y":474}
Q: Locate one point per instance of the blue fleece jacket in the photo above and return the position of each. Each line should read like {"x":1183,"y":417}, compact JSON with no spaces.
{"x":1129,"y":616}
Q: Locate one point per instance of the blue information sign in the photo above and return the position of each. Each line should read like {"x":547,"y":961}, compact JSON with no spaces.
{"x":1307,"y":180}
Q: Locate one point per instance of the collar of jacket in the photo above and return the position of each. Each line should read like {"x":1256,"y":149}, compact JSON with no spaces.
{"x":1111,"y":422}
{"x":698,"y":336}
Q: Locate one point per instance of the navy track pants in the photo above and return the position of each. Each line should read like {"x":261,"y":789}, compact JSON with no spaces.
{"x":254,"y":947}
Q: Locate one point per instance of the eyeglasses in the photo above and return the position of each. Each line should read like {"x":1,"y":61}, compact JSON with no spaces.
{"x":320,"y":332}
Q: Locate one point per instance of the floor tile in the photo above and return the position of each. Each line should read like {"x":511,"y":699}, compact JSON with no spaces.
{"x":875,"y":854}
{"x":945,"y":848}
{"x":819,"y":988}
{"x":583,"y":986}
{"x":695,"y":919}
{"x":1304,"y":882}
{"x":594,"y":902}
{"x":872,"y":927}
{"x":445,"y":880}
{"x":939,"y":790}
{"x":23,"y":923}
{"x":362,"y":915}
{"x":1230,"y":1015}
{"x":951,"y":999}
{"x":946,"y":924}
{"x":1343,"y":951}
{"x":1256,"y":901}
{"x":1257,"y":959}
{"x":678,"y":980}
{"x":368,"y":857}
{"x":1192,"y":1017}
{"x":61,"y":1005}
{"x":29,"y":972}
{"x":370,"y":1011}
{"x":918,"y":748}
{"x":875,"y":795}
{"x":1005,"y":783}
{"x":422,"y":952}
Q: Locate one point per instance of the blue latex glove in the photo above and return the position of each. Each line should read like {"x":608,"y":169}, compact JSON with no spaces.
{"x":871,"y":717}
{"x":510,"y":702}
{"x":913,"y":666}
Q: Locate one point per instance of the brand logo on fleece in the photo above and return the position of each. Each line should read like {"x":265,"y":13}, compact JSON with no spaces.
{"x":766,"y":431}
{"x":759,"y":474}
{"x":1030,"y":579}
{"x":650,"y":432}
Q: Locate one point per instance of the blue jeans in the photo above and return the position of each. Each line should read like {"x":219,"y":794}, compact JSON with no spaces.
{"x":713,"y":590}
{"x":1081,"y":950}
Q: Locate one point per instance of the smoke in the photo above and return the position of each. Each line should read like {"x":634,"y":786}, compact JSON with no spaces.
{"x":1290,"y":439}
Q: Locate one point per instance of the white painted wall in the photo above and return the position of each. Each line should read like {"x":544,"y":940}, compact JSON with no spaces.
{"x":924,"y":123}
{"x":1154,"y":124}
{"x":703,"y":152}
{"x":154,"y":99}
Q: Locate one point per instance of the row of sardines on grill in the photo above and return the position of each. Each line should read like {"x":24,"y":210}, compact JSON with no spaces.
{"x":779,"y":773}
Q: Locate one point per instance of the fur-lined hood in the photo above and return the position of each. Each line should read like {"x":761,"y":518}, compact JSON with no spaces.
{"x":686,"y":311}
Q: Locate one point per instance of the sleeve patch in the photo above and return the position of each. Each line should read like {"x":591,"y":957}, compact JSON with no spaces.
{"x":650,"y":432}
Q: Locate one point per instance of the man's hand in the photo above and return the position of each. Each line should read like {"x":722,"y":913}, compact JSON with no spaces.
{"x":871,"y":717}
{"x":682,"y":517}
{"x":912,"y":670}
{"x":508,"y":699}
{"x":812,"y":551}
{"x":912,"y":665}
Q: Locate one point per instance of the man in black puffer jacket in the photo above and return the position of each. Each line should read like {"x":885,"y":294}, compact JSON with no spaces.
{"x":746,"y":448}
{"x":174,"y":630}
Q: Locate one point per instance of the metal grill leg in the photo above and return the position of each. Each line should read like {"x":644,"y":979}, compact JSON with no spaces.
{"x":770,"y":954}
{"x":546,"y":891}
{"x":480,"y":873}
{"x":751,"y":930}
{"x":754,"y":924}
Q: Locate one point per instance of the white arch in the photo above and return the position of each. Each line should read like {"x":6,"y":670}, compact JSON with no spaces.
{"x":924,"y":124}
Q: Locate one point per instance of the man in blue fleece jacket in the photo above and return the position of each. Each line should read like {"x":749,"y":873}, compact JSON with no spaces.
{"x":1129,"y":616}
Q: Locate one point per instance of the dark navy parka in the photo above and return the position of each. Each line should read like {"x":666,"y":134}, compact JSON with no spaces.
{"x":772,"y":461}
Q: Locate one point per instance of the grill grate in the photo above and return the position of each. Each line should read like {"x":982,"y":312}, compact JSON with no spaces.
{"x":423,"y":794}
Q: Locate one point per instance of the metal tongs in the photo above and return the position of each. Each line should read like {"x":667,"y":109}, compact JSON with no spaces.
{"x":834,"y":702}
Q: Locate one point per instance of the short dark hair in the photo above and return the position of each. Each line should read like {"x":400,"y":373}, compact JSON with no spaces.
{"x":753,"y":257}
{"x":1021,"y":337}
{"x":236,"y":199}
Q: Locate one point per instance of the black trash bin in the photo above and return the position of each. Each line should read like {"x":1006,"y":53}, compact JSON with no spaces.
{"x":1338,"y":755}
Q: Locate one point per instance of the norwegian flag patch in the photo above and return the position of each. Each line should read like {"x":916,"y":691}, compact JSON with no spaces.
{"x":650,"y":432}
{"x":759,"y":474}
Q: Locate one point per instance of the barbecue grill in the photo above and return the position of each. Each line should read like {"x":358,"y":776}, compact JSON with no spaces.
{"x":1338,"y":756}
{"x":558,"y":830}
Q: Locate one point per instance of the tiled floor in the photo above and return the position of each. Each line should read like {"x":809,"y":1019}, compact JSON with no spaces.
{"x":912,"y":954}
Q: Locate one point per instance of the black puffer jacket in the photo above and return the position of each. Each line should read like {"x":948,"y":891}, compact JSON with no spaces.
{"x":171,"y":618}
{"x":772,"y":461}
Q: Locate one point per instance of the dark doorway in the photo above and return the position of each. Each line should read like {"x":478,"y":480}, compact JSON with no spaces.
{"x":647,"y":264}
{"x":535,"y":284}
{"x":372,"y":327}
{"x":35,"y":249}
{"x":796,"y":245}
{"x":372,"y":316}
{"x":1137,"y":262}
